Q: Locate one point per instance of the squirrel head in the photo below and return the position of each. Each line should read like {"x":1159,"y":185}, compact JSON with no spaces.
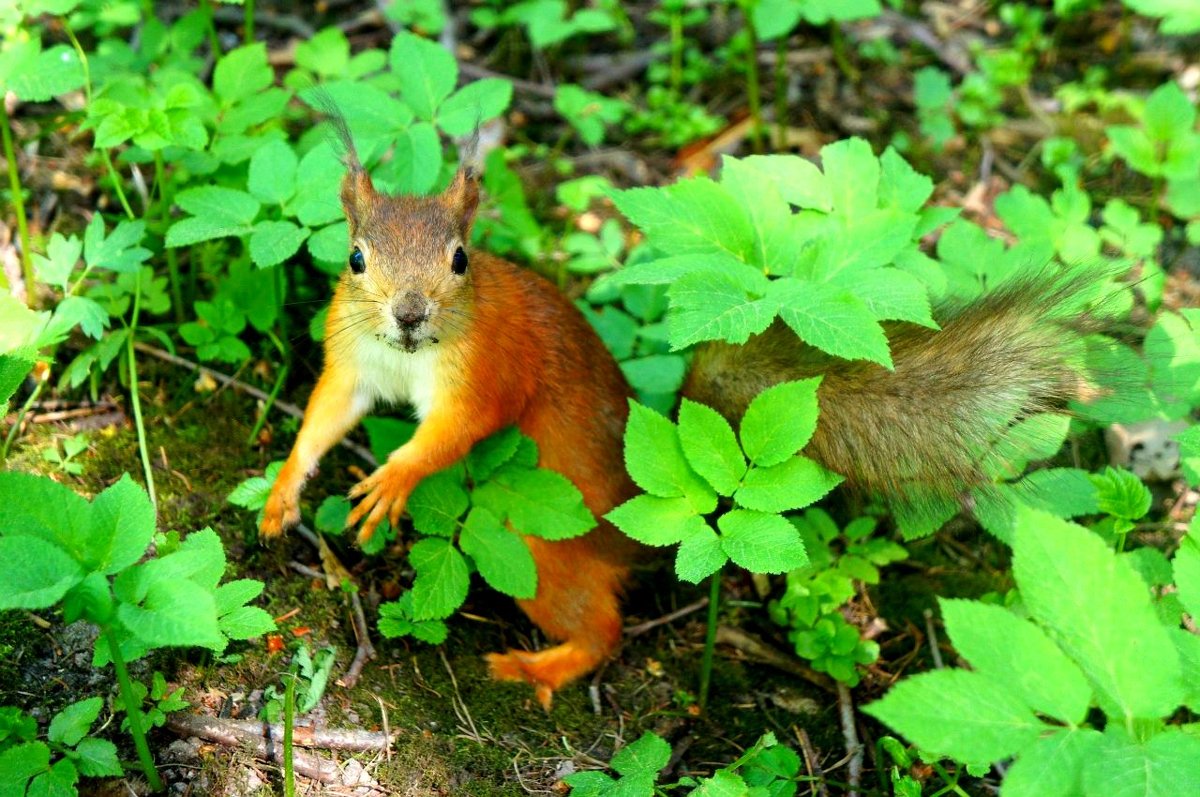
{"x":408,"y":265}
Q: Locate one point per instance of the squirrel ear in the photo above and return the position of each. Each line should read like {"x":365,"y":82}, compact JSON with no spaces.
{"x":462,"y":196}
{"x":358,"y":195}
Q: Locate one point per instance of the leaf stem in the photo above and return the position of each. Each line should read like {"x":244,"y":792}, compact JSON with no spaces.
{"x":12,"y":433}
{"x":164,"y":201}
{"x":18,"y":201}
{"x":135,"y":398}
{"x":248,"y":24}
{"x":133,"y":711}
{"x":710,"y":636}
{"x":289,"y":719}
{"x":279,"y":380}
{"x":781,"y":51}
{"x":752,"y":92}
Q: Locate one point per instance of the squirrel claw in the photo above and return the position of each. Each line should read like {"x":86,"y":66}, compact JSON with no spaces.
{"x":280,"y":514}
{"x":383,"y":496}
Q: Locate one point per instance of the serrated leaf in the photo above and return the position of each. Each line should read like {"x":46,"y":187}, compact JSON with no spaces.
{"x":957,"y":714}
{"x":503,"y":558}
{"x":442,"y":579}
{"x":273,"y":173}
{"x":1165,"y":765}
{"x":273,"y":242}
{"x":331,"y":243}
{"x":174,"y":613}
{"x":998,"y":644}
{"x":780,"y":421}
{"x":792,"y":484}
{"x":97,"y":758}
{"x":537,"y":501}
{"x":1186,"y":568}
{"x":832,"y":319}
{"x":694,"y":216}
{"x":491,"y":453}
{"x":707,"y":306}
{"x":438,"y":502}
{"x":474,"y":104}
{"x":700,"y":555}
{"x":1051,"y":765}
{"x":246,"y":622}
{"x":35,"y":573}
{"x":710,"y":446}
{"x":242,"y":72}
{"x":647,"y":755}
{"x":657,"y":521}
{"x":1098,"y":610}
{"x":427,"y":72}
{"x":122,"y":525}
{"x":73,"y":722}
{"x":761,"y":542}
{"x":655,"y":460}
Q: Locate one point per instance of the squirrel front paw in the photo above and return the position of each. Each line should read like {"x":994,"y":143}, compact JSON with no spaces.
{"x":282,"y":510}
{"x":384,"y":494}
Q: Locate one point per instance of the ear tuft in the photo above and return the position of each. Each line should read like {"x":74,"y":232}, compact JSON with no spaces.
{"x":462,"y":197}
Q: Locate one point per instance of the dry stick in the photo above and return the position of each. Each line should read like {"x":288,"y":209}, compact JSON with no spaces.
{"x":265,"y":740}
{"x":649,"y":625}
{"x":811,"y":762}
{"x":931,"y":632}
{"x":854,"y":748}
{"x":250,"y":390}
{"x":763,"y":653}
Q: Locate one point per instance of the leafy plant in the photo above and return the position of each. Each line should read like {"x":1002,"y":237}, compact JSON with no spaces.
{"x":72,"y":447}
{"x":1085,"y":606}
{"x":25,"y":761}
{"x":56,"y":548}
{"x":310,"y":674}
{"x":766,"y":768}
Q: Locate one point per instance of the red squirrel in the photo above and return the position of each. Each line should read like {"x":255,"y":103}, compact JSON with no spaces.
{"x":476,"y":344}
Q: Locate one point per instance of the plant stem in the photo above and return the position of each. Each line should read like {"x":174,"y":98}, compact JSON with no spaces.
{"x":210,"y":15}
{"x":781,"y":50}
{"x":248,"y":24}
{"x":279,"y":380}
{"x":18,"y":200}
{"x":676,"y":51}
{"x":135,"y":398}
{"x":289,"y":718}
{"x":12,"y":433}
{"x":133,"y":711}
{"x":710,"y":637}
{"x":752,"y":93}
{"x":164,"y":201}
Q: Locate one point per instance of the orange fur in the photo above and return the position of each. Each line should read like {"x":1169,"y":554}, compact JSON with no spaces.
{"x":503,"y":347}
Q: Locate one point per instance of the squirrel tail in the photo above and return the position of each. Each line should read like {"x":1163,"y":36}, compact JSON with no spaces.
{"x":920,"y":431}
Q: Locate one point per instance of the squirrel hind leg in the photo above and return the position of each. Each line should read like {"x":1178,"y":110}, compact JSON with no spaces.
{"x":577,"y":601}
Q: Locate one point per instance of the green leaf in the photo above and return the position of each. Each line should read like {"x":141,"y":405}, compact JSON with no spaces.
{"x":655,"y":460}
{"x":1120,"y":493}
{"x":997,"y":643}
{"x":73,"y":722}
{"x":832,"y":319}
{"x":646,"y":756}
{"x":780,"y":421}
{"x":242,"y":72}
{"x":442,"y":579}
{"x":657,"y":521}
{"x":1166,"y":765}
{"x":233,"y":594}
{"x":710,"y":446}
{"x":41,"y":76}
{"x":97,"y":758}
{"x":119,"y":251}
{"x":246,"y":622}
{"x":20,"y":763}
{"x":794,"y":483}
{"x":273,"y":242}
{"x":503,"y":558}
{"x":61,"y":256}
{"x":175,"y":612}
{"x":708,"y":306}
{"x":1098,"y":610}
{"x":438,"y":502}
{"x":700,"y":555}
{"x":122,"y":525}
{"x":331,"y":243}
{"x":692,"y":217}
{"x":474,"y":104}
{"x":216,"y":213}
{"x":426,"y":72}
{"x":538,"y":501}
{"x":958,"y":714}
{"x":1186,"y":568}
{"x":491,"y":453}
{"x":327,"y":53}
{"x":1051,"y":765}
{"x":395,"y":620}
{"x":35,"y":573}
{"x":761,"y":542}
{"x":273,"y":172}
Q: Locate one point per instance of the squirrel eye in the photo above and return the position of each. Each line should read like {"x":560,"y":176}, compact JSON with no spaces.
{"x":357,"y":263}
{"x":459,"y":264}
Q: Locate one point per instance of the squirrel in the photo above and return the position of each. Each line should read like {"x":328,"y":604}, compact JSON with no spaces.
{"x":476,"y":344}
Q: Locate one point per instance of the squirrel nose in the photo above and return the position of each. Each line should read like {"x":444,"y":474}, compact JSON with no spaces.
{"x":411,"y":310}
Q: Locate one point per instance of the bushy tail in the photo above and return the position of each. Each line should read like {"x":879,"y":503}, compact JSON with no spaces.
{"x":922,"y":430}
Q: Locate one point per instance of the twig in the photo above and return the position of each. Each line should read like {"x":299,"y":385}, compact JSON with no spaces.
{"x":459,"y":705}
{"x":264,"y":741}
{"x":250,"y":390}
{"x":760,"y":651}
{"x":649,"y":625}
{"x":854,"y":748}
{"x":810,"y":761}
{"x":931,"y":632}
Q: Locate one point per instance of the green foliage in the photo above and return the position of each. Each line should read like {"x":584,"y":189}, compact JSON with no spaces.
{"x":683,"y":468}
{"x":32,"y":767}
{"x":1085,"y":605}
{"x":810,"y":606}
{"x":588,"y":112}
{"x":162,"y":701}
{"x":72,"y":447}
{"x":766,"y":768}
{"x":546,"y":22}
{"x":311,"y":674}
{"x":1166,"y":143}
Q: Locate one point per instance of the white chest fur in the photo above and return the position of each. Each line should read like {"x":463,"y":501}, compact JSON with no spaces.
{"x":390,"y":375}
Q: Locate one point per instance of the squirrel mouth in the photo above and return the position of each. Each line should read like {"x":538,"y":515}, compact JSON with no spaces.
{"x":408,"y":342}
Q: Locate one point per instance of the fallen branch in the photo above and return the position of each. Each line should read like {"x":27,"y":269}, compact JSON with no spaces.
{"x":854,"y":748}
{"x":649,"y":625}
{"x":266,"y":742}
{"x":757,"y":650}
